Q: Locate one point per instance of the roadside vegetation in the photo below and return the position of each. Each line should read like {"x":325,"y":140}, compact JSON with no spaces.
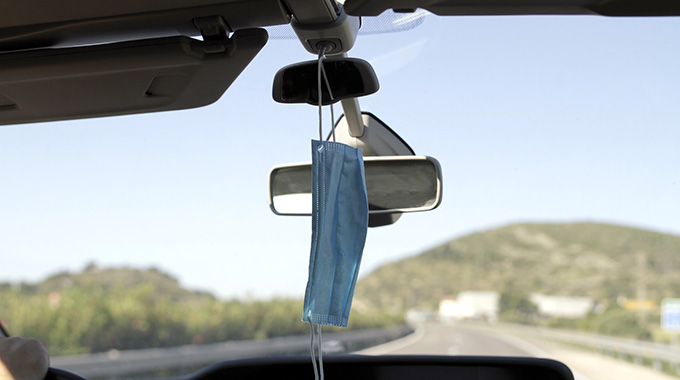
{"x":102,"y":309}
{"x":613,"y":321}
{"x":619,"y":322}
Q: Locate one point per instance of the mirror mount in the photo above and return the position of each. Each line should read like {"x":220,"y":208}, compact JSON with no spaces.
{"x":355,"y":123}
{"x":341,"y":33}
{"x":377,"y":138}
{"x":380,"y":220}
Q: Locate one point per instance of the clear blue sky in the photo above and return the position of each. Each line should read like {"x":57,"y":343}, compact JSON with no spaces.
{"x":532,"y":118}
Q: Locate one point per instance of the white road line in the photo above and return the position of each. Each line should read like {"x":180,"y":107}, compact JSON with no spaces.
{"x":395,"y":345}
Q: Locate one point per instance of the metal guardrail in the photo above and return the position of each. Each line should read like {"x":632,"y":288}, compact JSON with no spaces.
{"x":659,"y":356}
{"x":124,"y":364}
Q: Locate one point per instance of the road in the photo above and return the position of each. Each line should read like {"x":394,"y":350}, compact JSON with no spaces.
{"x":433,"y":338}
{"x":441,"y":339}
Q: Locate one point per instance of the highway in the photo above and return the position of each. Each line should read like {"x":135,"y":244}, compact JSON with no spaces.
{"x":434,"y":338}
{"x":442,"y":339}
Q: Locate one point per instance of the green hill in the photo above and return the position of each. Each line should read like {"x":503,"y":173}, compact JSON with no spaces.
{"x":581,"y":259}
{"x":126,"y":308}
{"x":113,"y":280}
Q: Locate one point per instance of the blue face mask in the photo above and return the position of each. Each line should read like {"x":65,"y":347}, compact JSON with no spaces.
{"x":339,"y":227}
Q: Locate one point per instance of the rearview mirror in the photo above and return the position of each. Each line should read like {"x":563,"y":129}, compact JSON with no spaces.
{"x":394,"y":184}
{"x":347,"y":78}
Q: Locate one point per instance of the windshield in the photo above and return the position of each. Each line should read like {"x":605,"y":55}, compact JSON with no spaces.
{"x":553,"y":133}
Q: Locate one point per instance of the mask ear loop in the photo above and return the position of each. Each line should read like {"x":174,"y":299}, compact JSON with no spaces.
{"x":311,"y":350}
{"x":318,"y":371}
{"x":322,"y":72}
{"x":318,"y":328}
{"x":332,"y":119}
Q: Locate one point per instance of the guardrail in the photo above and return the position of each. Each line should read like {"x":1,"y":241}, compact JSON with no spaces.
{"x":662,"y":357}
{"x":168,"y":362}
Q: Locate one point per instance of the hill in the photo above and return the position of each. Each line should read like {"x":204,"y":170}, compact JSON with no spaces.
{"x":127,"y":308}
{"x":601,"y":261}
{"x":121,"y":279}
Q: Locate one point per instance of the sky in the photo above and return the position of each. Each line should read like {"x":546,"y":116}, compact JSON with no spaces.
{"x":536,"y":119}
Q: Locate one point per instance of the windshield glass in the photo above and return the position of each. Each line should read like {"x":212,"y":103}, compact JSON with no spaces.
{"x":557,"y":138}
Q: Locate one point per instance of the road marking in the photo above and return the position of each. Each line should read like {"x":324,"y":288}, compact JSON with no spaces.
{"x":395,"y":345}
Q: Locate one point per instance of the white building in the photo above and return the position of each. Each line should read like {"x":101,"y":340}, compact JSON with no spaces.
{"x":451,"y":309}
{"x":470,"y":305}
{"x":562,"y":306}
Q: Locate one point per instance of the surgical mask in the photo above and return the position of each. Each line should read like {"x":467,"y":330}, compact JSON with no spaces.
{"x":339,"y":227}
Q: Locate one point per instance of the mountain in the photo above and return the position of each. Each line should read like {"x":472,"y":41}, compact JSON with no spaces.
{"x":601,"y":261}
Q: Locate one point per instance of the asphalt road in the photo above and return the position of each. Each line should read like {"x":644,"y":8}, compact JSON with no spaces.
{"x":447,"y":339}
{"x":434,"y":338}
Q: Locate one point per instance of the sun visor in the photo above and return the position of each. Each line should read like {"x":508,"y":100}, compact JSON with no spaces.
{"x":519,"y":7}
{"x":159,"y":74}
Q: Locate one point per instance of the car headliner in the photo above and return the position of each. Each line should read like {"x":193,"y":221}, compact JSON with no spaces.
{"x":82,"y":21}
{"x":77,"y":28}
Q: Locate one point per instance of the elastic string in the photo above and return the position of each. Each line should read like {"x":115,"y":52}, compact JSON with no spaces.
{"x":311,"y":350}
{"x":322,"y":51}
{"x":330,"y":93}
{"x":320,"y":351}
{"x":322,"y":72}
{"x":325,"y":79}
{"x":332,"y":122}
